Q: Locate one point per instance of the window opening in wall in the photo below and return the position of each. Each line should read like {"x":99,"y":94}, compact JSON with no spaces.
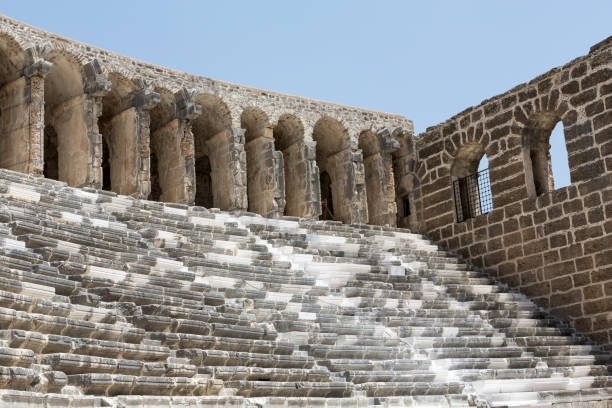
{"x":472,"y":195}
{"x":327,"y":204}
{"x":106,"y":170}
{"x":51,"y":169}
{"x":558,"y":157}
{"x":155,"y":186}
{"x":204,"y":194}
{"x":406,"y":205}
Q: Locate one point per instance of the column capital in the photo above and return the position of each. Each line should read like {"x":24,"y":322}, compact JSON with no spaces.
{"x":96,"y":82}
{"x":186,"y":108}
{"x":36,"y":64}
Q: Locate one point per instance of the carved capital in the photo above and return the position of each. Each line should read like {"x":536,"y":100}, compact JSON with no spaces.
{"x":387,"y":142}
{"x":96,"y":82}
{"x":186,"y":108}
{"x":36,"y":64}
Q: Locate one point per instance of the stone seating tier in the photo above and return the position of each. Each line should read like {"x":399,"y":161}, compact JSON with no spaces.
{"x":106,"y":300}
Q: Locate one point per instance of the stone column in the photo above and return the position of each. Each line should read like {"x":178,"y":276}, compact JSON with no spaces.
{"x":301,"y":173}
{"x":265,"y":177}
{"x":35,"y":93}
{"x":228,"y":169}
{"x":380,"y":184}
{"x":96,"y":85}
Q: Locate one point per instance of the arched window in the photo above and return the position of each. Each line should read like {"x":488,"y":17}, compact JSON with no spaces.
{"x":471,"y":185}
{"x":543,"y":130}
{"x":558,"y":157}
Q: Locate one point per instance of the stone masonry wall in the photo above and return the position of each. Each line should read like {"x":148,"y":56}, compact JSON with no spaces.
{"x":555,"y":246}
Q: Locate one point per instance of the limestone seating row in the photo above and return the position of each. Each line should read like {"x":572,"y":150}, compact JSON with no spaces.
{"x":395,"y":299}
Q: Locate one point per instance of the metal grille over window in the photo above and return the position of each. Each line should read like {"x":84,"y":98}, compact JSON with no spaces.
{"x":472,"y":195}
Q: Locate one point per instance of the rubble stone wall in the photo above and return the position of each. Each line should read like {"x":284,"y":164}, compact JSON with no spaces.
{"x":554,"y":245}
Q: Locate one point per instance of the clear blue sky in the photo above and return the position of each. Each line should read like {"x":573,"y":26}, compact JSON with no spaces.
{"x":426,"y":60}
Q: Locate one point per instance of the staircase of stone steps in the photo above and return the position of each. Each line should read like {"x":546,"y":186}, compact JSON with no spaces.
{"x":110,"y":301}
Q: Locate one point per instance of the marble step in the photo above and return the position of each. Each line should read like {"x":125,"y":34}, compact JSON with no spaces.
{"x":179,"y":341}
{"x":152,"y":323}
{"x":233,"y":373}
{"x":377,"y":389}
{"x":594,"y":397}
{"x":54,"y":308}
{"x":118,"y":384}
{"x":119,"y":294}
{"x":42,"y":343}
{"x":495,"y":386}
{"x":203,"y":357}
{"x":82,"y":364}
{"x":12,"y":319}
{"x":205,"y":314}
{"x":291,"y":389}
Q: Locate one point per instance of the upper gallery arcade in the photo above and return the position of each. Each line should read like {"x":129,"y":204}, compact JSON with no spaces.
{"x":91,"y":118}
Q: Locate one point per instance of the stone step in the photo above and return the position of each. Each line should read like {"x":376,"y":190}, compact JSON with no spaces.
{"x":205,"y":314}
{"x":185,"y":341}
{"x":203,"y":357}
{"x":12,"y":319}
{"x":380,"y":389}
{"x":82,"y":364}
{"x":594,"y":397}
{"x":118,"y":384}
{"x":540,"y":384}
{"x":233,"y":373}
{"x":119,"y":294}
{"x":51,"y":343}
{"x":167,"y":324}
{"x":291,"y":389}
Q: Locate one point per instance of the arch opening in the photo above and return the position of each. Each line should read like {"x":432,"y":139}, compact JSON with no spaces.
{"x":333,"y":159}
{"x":14,"y":106}
{"x":471,"y":188}
{"x":65,"y":112}
{"x":165,"y":153}
{"x":212,"y":135}
{"x":118,"y":125}
{"x":545,"y":154}
{"x":288,"y":137}
{"x":405,"y":181}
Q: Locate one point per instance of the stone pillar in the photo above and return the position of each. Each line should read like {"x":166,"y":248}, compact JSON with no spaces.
{"x":265,"y":178}
{"x":35,"y":93}
{"x":301,"y":173}
{"x":228,"y":169}
{"x":96,"y":85}
{"x":128,"y":143}
{"x":380,"y":184}
{"x":175,"y":151}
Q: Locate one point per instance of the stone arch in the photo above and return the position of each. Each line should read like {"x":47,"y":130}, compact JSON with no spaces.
{"x":535,"y":141}
{"x":264,"y":188}
{"x":14,"y":120}
{"x":117,"y":125}
{"x":164,"y":152}
{"x":464,"y":175}
{"x":66,"y":120}
{"x":333,"y":158}
{"x":219,"y":145}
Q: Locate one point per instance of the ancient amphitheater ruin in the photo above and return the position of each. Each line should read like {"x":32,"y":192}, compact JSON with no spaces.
{"x":169,"y":240}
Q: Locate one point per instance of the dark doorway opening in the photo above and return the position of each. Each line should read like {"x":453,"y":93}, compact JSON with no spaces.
{"x":327,"y":204}
{"x":204,"y":194}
